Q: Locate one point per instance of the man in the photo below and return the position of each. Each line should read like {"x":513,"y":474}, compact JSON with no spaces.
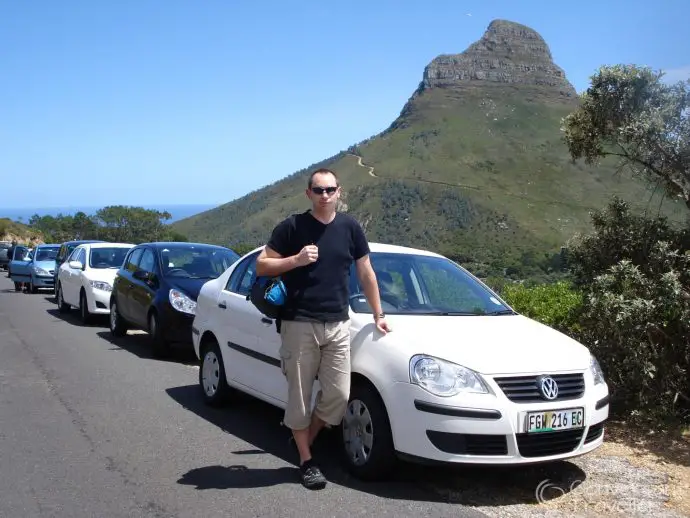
{"x":313,"y":252}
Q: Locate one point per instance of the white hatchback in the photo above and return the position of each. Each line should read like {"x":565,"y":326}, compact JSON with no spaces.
{"x":462,"y":378}
{"x":85,"y":279}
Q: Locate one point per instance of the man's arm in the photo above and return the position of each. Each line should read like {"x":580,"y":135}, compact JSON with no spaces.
{"x":367,"y":279}
{"x":271,"y":264}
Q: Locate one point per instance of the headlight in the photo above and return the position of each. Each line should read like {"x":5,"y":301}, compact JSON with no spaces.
{"x":101,"y":285}
{"x":40,"y":271}
{"x":443,"y":378}
{"x":182,"y":302}
{"x":595,"y":368}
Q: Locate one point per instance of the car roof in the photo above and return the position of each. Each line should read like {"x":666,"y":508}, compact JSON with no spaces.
{"x":105,"y":244}
{"x":83,"y":241}
{"x":49,"y":245}
{"x":169,"y":244}
{"x":386,"y":248}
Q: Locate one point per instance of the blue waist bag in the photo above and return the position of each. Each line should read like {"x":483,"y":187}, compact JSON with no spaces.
{"x":268,"y":294}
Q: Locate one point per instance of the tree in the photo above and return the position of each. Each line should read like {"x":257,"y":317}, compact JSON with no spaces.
{"x":630,"y":113}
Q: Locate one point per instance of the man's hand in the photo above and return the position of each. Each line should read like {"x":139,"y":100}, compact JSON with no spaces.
{"x":309,"y":254}
{"x":382,"y":325}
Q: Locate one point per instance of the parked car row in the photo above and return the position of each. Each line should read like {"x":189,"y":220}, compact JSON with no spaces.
{"x":462,"y":378}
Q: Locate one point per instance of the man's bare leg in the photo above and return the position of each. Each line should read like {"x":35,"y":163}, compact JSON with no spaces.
{"x":315,"y":427}
{"x":303,"y":444}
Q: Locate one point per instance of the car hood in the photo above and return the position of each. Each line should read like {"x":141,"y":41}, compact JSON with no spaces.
{"x":46,"y":265}
{"x":505,"y":344}
{"x":190,"y":287}
{"x":102,"y":274}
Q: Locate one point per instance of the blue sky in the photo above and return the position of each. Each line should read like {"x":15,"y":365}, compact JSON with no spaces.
{"x":168,"y":101}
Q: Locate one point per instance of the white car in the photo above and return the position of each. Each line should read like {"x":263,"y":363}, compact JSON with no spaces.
{"x":461,"y":378}
{"x":85,"y":279}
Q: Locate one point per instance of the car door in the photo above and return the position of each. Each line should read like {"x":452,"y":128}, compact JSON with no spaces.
{"x":250,"y":340}
{"x":125,"y":283}
{"x":143,"y":288}
{"x":20,"y":266}
{"x":72,"y":284}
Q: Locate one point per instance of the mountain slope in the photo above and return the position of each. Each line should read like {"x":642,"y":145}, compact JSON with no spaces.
{"x":473,"y":167}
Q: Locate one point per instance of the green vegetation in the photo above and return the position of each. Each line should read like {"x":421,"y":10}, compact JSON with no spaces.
{"x":116,"y":223}
{"x":10,"y":230}
{"x":482,"y":176}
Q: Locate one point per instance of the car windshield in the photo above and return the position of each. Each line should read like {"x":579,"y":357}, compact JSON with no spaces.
{"x":423,"y":285}
{"x":47,"y":254}
{"x":197,"y":262}
{"x":108,"y":257}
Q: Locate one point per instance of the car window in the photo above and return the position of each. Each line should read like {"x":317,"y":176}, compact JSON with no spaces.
{"x":107,"y":257}
{"x":133,"y":260}
{"x":148,"y":261}
{"x":425,"y":285}
{"x":46,"y":254}
{"x":184,"y":260}
{"x":81,"y":257}
{"x":240,"y":280}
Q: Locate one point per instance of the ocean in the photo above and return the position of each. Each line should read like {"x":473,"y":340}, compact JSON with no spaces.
{"x":24,"y":214}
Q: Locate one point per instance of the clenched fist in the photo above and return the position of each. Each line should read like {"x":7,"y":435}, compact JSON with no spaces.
{"x":309,"y":254}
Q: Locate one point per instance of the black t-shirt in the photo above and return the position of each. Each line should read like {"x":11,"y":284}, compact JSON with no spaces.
{"x":319,"y":291}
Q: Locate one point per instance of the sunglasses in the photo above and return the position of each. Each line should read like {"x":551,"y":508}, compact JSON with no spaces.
{"x":321,"y":190}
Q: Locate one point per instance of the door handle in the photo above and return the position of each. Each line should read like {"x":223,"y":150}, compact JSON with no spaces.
{"x":266,"y":321}
{"x":222,"y":305}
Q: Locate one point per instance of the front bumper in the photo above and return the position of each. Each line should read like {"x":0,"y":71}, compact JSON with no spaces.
{"x":43,"y":281}
{"x":177,"y":326}
{"x":489,"y":428}
{"x":98,"y":301}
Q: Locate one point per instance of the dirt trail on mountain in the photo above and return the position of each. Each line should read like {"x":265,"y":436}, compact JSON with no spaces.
{"x":360,"y":164}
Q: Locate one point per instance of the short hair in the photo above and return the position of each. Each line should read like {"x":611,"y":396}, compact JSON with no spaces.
{"x":322,"y":170}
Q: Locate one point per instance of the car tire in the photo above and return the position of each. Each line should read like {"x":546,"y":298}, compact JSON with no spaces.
{"x":366,"y":415}
{"x":17,"y":286}
{"x":84,"y":313}
{"x":212,"y":381}
{"x":63,"y":307}
{"x":32,"y":287}
{"x":158,"y":343}
{"x":118,"y":326}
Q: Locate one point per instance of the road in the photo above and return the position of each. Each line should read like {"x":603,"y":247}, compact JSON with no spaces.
{"x":91,"y":427}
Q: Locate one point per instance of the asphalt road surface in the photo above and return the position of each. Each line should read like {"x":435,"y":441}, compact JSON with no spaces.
{"x":94,"y":427}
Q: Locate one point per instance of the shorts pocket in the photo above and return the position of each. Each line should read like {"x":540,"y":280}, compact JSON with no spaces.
{"x":285,"y":355}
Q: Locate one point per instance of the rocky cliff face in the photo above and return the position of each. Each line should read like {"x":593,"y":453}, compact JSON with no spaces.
{"x":508,"y":53}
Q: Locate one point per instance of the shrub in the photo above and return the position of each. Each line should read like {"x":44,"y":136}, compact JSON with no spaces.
{"x":557,"y":305}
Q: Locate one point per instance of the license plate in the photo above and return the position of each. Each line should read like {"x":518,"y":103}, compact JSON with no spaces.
{"x":552,"y":421}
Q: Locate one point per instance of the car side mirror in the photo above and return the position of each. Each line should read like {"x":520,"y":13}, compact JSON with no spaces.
{"x":76,"y":265}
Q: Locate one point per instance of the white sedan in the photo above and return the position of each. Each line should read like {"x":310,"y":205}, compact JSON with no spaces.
{"x":85,"y":279}
{"x":462,"y":378}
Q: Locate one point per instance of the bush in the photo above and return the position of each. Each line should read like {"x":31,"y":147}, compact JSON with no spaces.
{"x":635,"y":276}
{"x":557,"y":305}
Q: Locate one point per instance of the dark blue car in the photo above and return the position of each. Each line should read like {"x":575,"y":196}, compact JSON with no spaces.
{"x":157,"y":286}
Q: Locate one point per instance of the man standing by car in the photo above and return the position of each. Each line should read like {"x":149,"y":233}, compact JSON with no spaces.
{"x":313,"y":252}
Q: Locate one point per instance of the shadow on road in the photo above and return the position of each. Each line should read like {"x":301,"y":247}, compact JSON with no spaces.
{"x":138,"y":344}
{"x":258,"y":424}
{"x":72,"y":317}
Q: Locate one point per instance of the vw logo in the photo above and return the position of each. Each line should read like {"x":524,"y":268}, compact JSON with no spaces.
{"x":548,"y":387}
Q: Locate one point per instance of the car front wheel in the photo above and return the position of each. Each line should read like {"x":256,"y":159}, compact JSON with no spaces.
{"x":63,"y":307}
{"x":366,"y":441}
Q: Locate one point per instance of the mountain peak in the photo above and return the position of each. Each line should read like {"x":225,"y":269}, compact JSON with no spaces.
{"x":508,"y":53}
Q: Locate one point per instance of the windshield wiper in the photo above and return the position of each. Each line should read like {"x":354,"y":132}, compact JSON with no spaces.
{"x":453,"y":313}
{"x":501,"y":312}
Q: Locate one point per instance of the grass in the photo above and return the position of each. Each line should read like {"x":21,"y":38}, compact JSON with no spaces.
{"x":472,"y":172}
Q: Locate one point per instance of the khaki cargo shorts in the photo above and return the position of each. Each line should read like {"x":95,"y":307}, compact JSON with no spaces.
{"x":310,"y":349}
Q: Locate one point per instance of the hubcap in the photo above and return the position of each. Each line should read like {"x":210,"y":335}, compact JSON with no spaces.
{"x":210,"y":373}
{"x":358,"y":432}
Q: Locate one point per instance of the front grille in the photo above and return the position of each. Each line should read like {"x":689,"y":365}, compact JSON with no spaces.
{"x":525,"y":389}
{"x":548,"y":443}
{"x":595,"y":431}
{"x":468,"y":444}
